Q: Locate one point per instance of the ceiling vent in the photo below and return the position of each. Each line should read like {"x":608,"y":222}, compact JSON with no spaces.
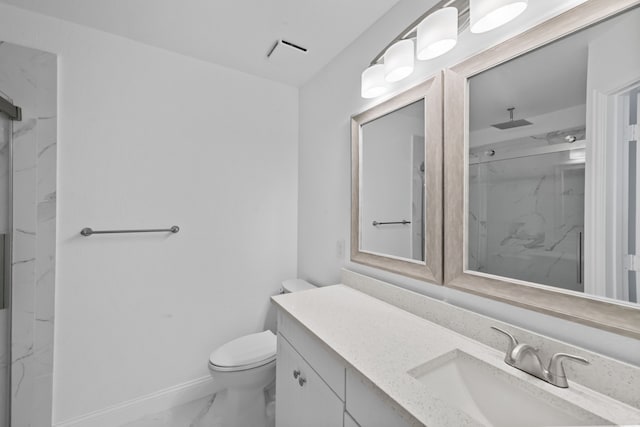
{"x":284,"y":51}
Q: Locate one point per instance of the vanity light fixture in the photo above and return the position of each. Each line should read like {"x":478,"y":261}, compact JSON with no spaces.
{"x":398,"y":61}
{"x":489,"y":14}
{"x":373,"y":83}
{"x":437,"y":33}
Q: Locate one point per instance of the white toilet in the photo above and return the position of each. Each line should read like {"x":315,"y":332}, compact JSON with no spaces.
{"x":242,"y":368}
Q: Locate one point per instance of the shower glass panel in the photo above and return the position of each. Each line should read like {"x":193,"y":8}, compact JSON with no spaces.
{"x":526,"y":216}
{"x":5,"y":271}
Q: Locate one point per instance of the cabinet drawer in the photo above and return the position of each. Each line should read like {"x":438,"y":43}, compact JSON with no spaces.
{"x":303,"y":399}
{"x":326,"y":363}
{"x":368,"y":407}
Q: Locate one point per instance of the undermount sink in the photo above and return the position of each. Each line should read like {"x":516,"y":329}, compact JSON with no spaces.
{"x":493,"y":397}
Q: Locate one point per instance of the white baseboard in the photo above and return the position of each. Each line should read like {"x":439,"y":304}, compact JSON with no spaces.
{"x":134,"y":409}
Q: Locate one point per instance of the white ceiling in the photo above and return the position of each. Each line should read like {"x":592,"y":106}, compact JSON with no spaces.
{"x":233,"y":33}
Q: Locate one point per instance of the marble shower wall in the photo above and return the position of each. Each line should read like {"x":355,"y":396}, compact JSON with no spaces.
{"x":29,"y":78}
{"x":525,"y":218}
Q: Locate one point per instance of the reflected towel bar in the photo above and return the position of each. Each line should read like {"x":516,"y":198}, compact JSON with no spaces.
{"x":89,"y":231}
{"x":403,"y":222}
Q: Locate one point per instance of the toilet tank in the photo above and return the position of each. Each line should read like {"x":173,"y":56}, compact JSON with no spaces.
{"x":296,"y":285}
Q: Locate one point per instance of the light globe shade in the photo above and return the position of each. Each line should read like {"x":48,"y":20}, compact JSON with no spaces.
{"x":373,"y":83}
{"x":437,"y":33}
{"x":489,"y":14}
{"x":398,"y":61}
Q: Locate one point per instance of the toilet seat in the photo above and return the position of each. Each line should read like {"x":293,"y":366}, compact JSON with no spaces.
{"x":247,"y":352}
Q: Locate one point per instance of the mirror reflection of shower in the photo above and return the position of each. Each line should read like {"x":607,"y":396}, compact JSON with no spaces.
{"x":526,"y":209}
{"x":552,"y":164}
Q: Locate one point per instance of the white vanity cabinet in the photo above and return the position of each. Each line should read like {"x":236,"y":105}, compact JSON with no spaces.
{"x":314,"y":387}
{"x":370,"y":364}
{"x":310,"y":379}
{"x":303,"y":398}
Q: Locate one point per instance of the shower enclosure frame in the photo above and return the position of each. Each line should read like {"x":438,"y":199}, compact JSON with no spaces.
{"x":13,"y":113}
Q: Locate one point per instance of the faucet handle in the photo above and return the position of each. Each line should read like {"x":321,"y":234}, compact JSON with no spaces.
{"x":556,"y":373}
{"x":513,"y":342}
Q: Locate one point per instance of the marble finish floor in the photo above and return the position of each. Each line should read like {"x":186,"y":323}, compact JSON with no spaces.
{"x":190,"y":414}
{"x":198,"y":413}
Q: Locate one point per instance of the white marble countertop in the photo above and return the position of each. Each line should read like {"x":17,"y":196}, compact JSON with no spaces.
{"x":383,"y":343}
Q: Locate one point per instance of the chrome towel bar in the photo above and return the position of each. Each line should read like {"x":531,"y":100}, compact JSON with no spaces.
{"x":403,"y":222}
{"x":89,"y":231}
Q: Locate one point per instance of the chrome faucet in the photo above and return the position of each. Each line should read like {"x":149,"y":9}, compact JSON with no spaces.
{"x":526,"y":358}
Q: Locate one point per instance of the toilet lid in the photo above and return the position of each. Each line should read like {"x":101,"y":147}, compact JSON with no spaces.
{"x":246,"y":350}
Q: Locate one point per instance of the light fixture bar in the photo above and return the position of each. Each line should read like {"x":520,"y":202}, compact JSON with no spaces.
{"x":411,"y":30}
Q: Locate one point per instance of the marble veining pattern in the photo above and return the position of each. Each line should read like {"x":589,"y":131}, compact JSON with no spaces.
{"x":191,"y":414}
{"x":526,"y":215}
{"x":29,"y":78}
{"x":198,"y":413}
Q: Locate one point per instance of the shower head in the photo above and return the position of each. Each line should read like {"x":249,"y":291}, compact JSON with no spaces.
{"x":511,"y":123}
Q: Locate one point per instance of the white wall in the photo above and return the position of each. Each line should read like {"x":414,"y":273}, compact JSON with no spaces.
{"x":149,"y":138}
{"x":327,"y":102}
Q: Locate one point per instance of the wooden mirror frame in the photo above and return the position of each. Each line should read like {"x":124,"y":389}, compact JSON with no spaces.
{"x":615,"y":317}
{"x":431,"y":270}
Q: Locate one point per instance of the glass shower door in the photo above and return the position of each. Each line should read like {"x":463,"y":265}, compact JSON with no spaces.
{"x":5,"y":270}
{"x":526,"y":217}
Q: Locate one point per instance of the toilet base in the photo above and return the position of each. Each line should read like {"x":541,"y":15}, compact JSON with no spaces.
{"x":241,"y":400}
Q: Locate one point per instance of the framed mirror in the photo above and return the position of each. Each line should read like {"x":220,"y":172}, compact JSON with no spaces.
{"x":542,"y":170}
{"x":396,"y":166}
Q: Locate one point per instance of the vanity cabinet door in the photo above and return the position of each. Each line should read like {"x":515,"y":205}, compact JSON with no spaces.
{"x":325,"y":362}
{"x":303,"y":398}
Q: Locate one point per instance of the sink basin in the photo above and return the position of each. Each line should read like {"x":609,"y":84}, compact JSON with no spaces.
{"x":495,"y":398}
